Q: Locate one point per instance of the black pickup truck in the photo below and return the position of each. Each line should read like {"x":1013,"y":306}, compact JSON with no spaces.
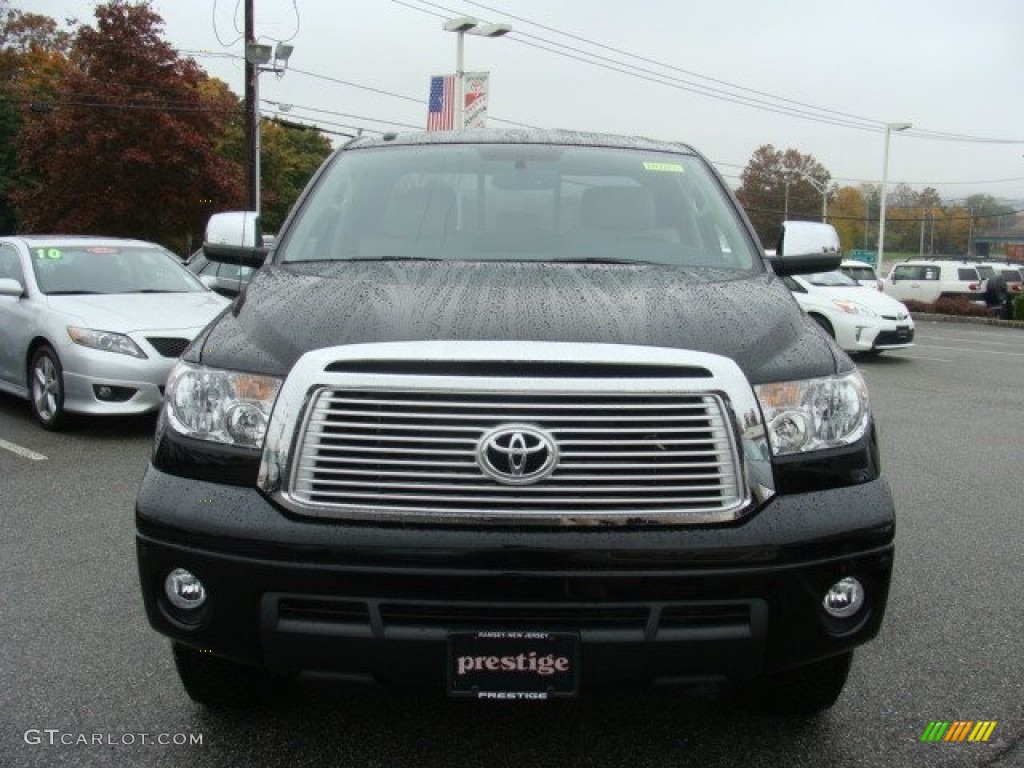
{"x":513,"y":415}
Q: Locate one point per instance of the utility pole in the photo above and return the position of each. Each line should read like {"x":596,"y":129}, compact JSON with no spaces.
{"x":252,"y":107}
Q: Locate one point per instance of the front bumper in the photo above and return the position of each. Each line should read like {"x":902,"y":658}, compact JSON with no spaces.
{"x":862,"y":334}
{"x":377,"y":603}
{"x":137,"y":384}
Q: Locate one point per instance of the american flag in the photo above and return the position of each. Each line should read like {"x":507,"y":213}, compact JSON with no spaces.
{"x":441,"y":112}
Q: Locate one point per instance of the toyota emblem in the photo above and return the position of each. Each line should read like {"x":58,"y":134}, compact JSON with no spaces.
{"x":517,"y":454}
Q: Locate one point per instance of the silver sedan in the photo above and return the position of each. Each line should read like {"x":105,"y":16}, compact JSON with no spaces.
{"x":94,"y":325}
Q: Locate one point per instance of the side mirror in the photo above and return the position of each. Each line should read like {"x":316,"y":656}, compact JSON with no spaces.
{"x":11,"y":287}
{"x":233,"y":237}
{"x":804,"y":263}
{"x":234,"y":228}
{"x":807,"y":247}
{"x":210,"y":281}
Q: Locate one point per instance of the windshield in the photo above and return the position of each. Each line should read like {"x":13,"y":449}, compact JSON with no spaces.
{"x":519,"y":202}
{"x":831,"y":279}
{"x":860,"y":273}
{"x":79,"y":268}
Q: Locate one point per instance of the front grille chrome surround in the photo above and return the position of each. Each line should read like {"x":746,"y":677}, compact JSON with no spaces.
{"x":391,"y":447}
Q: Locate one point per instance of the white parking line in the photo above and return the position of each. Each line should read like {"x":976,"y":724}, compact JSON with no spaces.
{"x":978,"y":339}
{"x":24,"y":452}
{"x":999,"y":352}
{"x":930,"y":359}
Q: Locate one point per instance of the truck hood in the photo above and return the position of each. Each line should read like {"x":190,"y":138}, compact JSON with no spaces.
{"x":285,"y":312}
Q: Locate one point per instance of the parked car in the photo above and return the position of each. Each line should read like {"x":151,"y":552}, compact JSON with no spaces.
{"x":859,"y":319}
{"x":514,"y":415}
{"x":862,"y":272}
{"x":228,"y":228}
{"x":928,"y":280}
{"x":94,"y":325}
{"x":226,"y":279}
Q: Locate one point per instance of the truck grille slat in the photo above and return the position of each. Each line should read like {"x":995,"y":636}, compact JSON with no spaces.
{"x":416,"y":453}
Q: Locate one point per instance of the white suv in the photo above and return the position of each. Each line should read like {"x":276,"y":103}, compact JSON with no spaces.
{"x":929,"y":279}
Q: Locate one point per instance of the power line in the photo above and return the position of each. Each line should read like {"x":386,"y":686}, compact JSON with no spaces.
{"x":786,"y":106}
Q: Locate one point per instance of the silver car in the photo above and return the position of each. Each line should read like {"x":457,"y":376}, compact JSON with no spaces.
{"x":93,"y":325}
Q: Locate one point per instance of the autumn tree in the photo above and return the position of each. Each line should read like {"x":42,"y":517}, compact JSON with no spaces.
{"x":33,"y":53}
{"x":777,"y":185}
{"x":850,"y":214}
{"x":129,"y":146}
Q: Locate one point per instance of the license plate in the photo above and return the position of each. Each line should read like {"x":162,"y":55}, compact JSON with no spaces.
{"x":513,"y":665}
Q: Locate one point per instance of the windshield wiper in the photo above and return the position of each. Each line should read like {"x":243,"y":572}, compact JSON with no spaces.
{"x":396,"y":258}
{"x":606,"y":260}
{"x":72,"y":293}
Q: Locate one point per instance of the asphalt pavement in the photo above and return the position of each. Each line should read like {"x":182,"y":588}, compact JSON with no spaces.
{"x":84,"y":681}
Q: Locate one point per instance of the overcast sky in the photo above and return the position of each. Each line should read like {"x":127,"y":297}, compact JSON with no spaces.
{"x":947,"y":66}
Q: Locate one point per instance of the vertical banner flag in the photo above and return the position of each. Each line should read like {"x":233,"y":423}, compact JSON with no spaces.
{"x":441,"y":106}
{"x":475,"y":99}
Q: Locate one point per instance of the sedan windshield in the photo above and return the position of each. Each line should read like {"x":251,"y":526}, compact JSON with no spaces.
{"x":82,"y":268}
{"x":831,"y":280}
{"x":521,"y":202}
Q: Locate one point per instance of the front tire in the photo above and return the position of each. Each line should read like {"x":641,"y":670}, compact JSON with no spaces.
{"x":221,"y":684}
{"x":803,"y":691}
{"x":46,"y":389}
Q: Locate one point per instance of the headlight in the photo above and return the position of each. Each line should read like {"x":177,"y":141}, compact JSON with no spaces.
{"x":105,"y":340}
{"x":853,"y":308}
{"x":815,"y":414}
{"x":220,"y":406}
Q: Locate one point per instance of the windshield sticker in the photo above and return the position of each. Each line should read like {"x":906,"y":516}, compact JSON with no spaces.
{"x":103,"y":250}
{"x":47,"y":253}
{"x":664,"y":167}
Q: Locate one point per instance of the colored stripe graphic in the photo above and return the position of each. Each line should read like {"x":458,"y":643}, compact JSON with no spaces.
{"x":959,"y":730}
{"x":935,"y":731}
{"x":982,"y":730}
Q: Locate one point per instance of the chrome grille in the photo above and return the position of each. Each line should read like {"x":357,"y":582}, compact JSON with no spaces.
{"x":415,"y":451}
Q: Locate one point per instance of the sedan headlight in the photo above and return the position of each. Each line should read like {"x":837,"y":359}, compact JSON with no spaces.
{"x":815,"y":414}
{"x":105,"y":340}
{"x":853,"y":308}
{"x":220,"y":406}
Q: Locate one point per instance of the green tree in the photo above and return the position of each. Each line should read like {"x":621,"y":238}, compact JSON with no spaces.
{"x":289,"y":155}
{"x":129,"y":148}
{"x":777,"y":185}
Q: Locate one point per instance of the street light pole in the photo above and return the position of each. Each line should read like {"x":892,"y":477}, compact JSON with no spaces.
{"x":252,"y":159}
{"x":462,"y":26}
{"x":256,"y":56}
{"x":822,"y":188}
{"x":889,"y":128}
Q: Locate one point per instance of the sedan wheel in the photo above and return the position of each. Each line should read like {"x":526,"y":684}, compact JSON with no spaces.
{"x":46,"y":380}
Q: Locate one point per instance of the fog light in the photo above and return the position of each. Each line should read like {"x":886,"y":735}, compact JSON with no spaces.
{"x":844,"y":598}
{"x":184,"y":590}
